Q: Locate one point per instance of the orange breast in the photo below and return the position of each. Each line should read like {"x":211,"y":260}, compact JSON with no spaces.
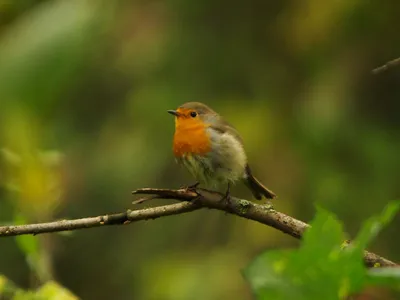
{"x":190,"y":138}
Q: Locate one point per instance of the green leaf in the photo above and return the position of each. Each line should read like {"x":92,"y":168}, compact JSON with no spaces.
{"x":267,"y":277}
{"x":324,"y":236}
{"x":52,"y":290}
{"x":7,"y":288}
{"x":320,"y":268}
{"x":312,"y":272}
{"x":49,"y":291}
{"x":25,"y":295}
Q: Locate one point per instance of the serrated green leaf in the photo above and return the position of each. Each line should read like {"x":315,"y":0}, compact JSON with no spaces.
{"x":320,"y":268}
{"x":316,"y":270}
{"x":325,"y":233}
{"x":321,"y":242}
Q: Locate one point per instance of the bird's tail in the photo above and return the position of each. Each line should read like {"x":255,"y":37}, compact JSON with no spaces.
{"x":256,"y":187}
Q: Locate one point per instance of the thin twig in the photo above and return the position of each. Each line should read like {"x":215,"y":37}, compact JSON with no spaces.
{"x":385,"y":67}
{"x":90,"y":222}
{"x":191,"y":200}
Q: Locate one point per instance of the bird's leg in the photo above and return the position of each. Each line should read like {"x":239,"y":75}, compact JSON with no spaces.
{"x":227,"y":196}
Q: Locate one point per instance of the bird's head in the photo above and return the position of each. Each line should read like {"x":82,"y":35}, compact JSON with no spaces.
{"x":193,"y":114}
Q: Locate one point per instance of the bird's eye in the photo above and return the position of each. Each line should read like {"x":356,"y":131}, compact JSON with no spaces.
{"x":193,"y":114}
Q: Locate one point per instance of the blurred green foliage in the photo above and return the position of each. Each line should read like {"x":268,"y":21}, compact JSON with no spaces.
{"x":49,"y":291}
{"x":321,"y":268}
{"x":84,"y":89}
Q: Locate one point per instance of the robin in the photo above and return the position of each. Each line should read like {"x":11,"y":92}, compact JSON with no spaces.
{"x":212,"y":150}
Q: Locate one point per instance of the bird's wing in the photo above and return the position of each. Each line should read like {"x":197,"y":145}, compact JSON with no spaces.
{"x":225,"y":127}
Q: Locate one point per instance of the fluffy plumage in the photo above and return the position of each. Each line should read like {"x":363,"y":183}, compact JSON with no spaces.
{"x":212,"y":149}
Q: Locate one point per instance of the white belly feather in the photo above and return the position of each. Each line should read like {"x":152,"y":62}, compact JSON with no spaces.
{"x":225,"y":163}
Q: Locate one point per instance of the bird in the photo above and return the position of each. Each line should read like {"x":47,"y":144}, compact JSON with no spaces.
{"x":212,"y":150}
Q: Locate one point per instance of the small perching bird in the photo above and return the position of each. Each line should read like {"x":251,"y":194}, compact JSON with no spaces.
{"x":212,"y":149}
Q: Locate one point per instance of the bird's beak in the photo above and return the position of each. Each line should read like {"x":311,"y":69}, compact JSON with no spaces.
{"x":173,"y":112}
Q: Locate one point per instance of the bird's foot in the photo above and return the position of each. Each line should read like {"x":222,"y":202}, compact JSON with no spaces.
{"x":227,"y":196}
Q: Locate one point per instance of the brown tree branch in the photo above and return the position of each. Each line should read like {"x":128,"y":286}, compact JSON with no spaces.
{"x":264,"y":214}
{"x":90,"y":222}
{"x":390,"y":64}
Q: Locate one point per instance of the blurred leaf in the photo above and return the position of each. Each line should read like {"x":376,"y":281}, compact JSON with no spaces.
{"x":325,"y":234}
{"x":33,"y":177}
{"x":49,"y":291}
{"x":7,"y":288}
{"x":53,"y":291}
{"x":25,"y":295}
{"x":320,"y":268}
{"x":267,"y":278}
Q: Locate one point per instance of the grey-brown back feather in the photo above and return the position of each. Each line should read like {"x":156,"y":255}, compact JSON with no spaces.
{"x":223,"y":126}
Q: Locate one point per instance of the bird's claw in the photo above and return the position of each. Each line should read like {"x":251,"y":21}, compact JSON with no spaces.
{"x":226,"y":197}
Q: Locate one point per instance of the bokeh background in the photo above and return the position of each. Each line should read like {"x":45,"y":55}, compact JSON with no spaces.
{"x":84,"y":89}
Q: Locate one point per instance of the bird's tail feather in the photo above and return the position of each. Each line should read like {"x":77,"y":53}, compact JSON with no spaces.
{"x":256,"y":187}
